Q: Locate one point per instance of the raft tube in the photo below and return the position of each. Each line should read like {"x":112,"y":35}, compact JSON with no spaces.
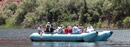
{"x":87,"y":37}
{"x":108,"y":34}
{"x":103,"y":36}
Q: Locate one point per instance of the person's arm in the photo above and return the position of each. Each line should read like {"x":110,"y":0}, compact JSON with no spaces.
{"x":87,"y":28}
{"x":84,"y":30}
{"x":42,"y":30}
{"x":38,"y":28}
{"x":73,"y":30}
{"x":92,"y":28}
{"x":63,"y":30}
{"x":45,"y":30}
{"x":46,"y":25}
{"x":49,"y":29}
{"x":78,"y":29}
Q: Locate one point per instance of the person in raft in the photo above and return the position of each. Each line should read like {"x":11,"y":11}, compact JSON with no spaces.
{"x":52,"y":29}
{"x":59,"y":29}
{"x":81,"y":28}
{"x":65,"y":30}
{"x":68,"y":26}
{"x":85,"y":29}
{"x":40,"y":30}
{"x":47,"y":30}
{"x":90,"y":28}
{"x":75,"y":29}
{"x":48,"y":24}
{"x":69,"y":30}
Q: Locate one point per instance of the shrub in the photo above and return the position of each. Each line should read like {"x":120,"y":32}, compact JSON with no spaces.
{"x":126,"y":22}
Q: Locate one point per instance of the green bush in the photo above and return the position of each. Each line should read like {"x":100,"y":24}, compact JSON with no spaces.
{"x":18,"y":17}
{"x":98,"y":25}
{"x":126,"y":22}
{"x":100,"y":13}
{"x":2,"y":18}
{"x":10,"y":6}
{"x":30,"y":20}
{"x":9,"y":24}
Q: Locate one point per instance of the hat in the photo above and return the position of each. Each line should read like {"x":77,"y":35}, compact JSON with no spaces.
{"x":48,"y":22}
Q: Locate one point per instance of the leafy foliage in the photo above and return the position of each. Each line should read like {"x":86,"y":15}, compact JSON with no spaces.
{"x":100,"y":13}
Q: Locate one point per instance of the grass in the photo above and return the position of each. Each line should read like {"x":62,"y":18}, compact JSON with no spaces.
{"x":9,"y":24}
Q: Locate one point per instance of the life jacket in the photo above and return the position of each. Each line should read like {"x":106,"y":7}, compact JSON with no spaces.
{"x":66,"y":30}
{"x":75,"y":30}
{"x":70,"y":30}
{"x":52,"y":29}
{"x":47,"y":30}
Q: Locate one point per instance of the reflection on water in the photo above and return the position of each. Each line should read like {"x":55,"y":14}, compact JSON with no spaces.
{"x":20,"y":38}
{"x":76,"y":44}
{"x":63,"y":44}
{"x":120,"y":38}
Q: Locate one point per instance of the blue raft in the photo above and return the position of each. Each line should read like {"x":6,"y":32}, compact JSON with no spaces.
{"x":87,"y":37}
{"x":103,"y":36}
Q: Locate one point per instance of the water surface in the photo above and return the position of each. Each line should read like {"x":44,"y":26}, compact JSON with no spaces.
{"x":20,"y":38}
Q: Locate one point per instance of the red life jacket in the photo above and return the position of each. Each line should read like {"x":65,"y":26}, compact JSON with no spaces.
{"x":70,"y":30}
{"x":66,"y":30}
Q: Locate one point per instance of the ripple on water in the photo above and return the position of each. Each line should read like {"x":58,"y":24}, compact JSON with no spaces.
{"x":20,"y":38}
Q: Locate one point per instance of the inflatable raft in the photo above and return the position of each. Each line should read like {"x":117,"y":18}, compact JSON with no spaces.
{"x":87,"y":37}
{"x":103,"y":36}
{"x":64,"y":37}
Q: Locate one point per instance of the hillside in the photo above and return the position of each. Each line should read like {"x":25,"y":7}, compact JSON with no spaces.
{"x":99,"y":13}
{"x":3,"y":2}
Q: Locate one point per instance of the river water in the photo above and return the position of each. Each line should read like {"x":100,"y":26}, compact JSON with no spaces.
{"x":20,"y":38}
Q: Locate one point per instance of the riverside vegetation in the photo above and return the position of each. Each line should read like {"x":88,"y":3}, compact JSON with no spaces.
{"x":99,"y":13}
